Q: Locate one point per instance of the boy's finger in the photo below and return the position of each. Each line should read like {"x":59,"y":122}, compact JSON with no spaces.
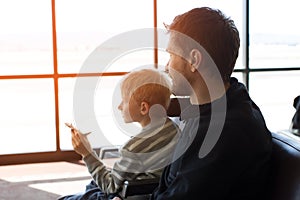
{"x":73,"y":131}
{"x":86,"y":134}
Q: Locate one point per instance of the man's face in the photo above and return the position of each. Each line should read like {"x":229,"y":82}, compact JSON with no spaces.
{"x":179,"y":70}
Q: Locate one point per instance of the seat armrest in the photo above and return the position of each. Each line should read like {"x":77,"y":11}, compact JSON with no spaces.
{"x":109,"y":152}
{"x":139,"y":187}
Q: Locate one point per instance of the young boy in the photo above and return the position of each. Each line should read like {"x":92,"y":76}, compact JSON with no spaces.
{"x":145,"y":99}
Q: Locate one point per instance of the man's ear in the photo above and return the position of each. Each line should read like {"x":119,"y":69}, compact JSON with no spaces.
{"x":144,"y":108}
{"x":196,"y":59}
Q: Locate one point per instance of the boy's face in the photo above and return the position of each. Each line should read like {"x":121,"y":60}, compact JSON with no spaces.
{"x":130,"y":109}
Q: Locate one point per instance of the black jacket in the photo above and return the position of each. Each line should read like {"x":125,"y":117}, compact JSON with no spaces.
{"x":238,"y":149}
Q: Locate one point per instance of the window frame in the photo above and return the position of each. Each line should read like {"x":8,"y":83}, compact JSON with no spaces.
{"x":62,"y":155}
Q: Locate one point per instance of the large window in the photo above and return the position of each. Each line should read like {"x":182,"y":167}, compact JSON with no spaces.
{"x":274,"y":59}
{"x":27,"y":92}
{"x":47,"y":44}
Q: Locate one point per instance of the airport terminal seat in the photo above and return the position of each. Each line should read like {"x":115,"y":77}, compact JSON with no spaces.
{"x":284,"y":180}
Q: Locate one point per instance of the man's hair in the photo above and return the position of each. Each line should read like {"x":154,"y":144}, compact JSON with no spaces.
{"x":149,"y":85}
{"x":215,"y":32}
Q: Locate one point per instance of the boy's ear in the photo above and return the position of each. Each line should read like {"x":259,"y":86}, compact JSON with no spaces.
{"x":144,"y":109}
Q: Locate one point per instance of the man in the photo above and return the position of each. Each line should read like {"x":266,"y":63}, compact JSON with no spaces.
{"x":225,"y":148}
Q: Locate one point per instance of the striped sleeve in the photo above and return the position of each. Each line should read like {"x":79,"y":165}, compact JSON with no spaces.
{"x":142,"y":157}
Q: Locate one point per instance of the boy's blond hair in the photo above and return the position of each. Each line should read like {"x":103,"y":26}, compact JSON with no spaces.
{"x":149,"y":85}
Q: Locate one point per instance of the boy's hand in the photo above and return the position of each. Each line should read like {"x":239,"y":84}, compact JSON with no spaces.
{"x":80,"y":143}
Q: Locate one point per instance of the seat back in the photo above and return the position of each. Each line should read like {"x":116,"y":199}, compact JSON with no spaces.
{"x":284,"y":180}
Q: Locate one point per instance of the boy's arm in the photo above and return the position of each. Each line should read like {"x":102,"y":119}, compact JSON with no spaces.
{"x":110,"y":181}
{"x":146,"y":163}
{"x":100,"y":173}
{"x":97,"y":169}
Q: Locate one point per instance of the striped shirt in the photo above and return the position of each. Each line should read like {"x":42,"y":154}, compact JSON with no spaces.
{"x":143,"y":156}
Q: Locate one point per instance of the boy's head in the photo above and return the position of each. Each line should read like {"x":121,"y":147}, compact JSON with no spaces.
{"x":141,"y":90}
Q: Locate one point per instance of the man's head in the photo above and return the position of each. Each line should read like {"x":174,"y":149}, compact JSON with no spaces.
{"x":141,"y":90}
{"x":213,"y":31}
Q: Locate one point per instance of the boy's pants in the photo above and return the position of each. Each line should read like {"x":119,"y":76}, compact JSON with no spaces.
{"x":92,"y":192}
